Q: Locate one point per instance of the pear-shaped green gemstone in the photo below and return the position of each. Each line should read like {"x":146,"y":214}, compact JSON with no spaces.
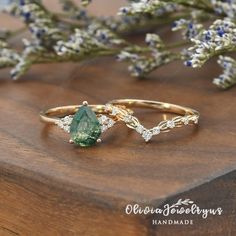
{"x":85,"y":128}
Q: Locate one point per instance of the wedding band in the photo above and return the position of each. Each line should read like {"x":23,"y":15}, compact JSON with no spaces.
{"x":85,"y":123}
{"x":186,"y":116}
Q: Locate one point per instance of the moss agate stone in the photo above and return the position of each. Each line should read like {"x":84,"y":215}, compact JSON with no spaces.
{"x":85,"y":128}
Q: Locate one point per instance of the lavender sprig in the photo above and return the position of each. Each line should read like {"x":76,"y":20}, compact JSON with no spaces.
{"x":41,"y":23}
{"x":220,"y":37}
{"x":75,"y":35}
{"x":228,"y":78}
{"x":227,"y":8}
{"x":8,"y":57}
{"x":156,"y":8}
{"x":189,"y":28}
{"x":75,"y":12}
{"x":91,"y":41}
{"x":143,"y":63}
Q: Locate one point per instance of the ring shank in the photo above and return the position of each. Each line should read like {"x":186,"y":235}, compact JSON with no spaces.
{"x":162,"y":106}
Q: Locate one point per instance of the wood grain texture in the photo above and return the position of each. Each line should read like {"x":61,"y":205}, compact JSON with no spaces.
{"x":49,"y":187}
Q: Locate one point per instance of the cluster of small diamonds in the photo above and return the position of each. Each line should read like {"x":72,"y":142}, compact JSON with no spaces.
{"x":163,"y":126}
{"x":64,"y":123}
{"x":112,"y":110}
{"x":187,"y":119}
{"x":148,"y":133}
{"x":106,"y":122}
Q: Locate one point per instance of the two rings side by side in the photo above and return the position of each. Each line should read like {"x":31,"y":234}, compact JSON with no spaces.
{"x":86,"y":123}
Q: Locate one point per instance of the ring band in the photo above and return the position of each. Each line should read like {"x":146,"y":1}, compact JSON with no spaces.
{"x":187,"y":116}
{"x":85,"y":122}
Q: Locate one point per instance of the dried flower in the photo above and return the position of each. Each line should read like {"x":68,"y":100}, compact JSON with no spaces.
{"x":227,"y":7}
{"x":154,"y":41}
{"x":74,"y":10}
{"x":76,"y":35}
{"x":8,"y":57}
{"x":155,"y":7}
{"x":190,"y":29}
{"x":86,"y":2}
{"x":21,"y":67}
{"x":228,"y":78}
{"x":143,"y":63}
{"x":83,"y":43}
{"x":220,"y":37}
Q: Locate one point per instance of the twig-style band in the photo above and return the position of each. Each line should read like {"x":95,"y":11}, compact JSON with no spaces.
{"x":186,"y":116}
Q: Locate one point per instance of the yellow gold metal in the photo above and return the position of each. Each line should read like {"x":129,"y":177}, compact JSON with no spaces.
{"x":71,"y":141}
{"x":121,"y":110}
{"x":52,"y":115}
{"x":186,"y":115}
{"x":162,"y":106}
{"x":85,"y":103}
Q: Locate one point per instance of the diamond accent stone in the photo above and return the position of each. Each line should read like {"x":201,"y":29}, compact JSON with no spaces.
{"x":170,"y":124}
{"x":147,"y":135}
{"x":140,"y":129}
{"x":156,"y":130}
{"x":195,"y":120}
{"x":64,"y":123}
{"x":114,"y":111}
{"x":185,"y":120}
{"x":108,"y":107}
{"x":127,"y":118}
{"x":106,"y":122}
{"x":102,"y":119}
{"x":104,"y":128}
{"x":110,"y":123}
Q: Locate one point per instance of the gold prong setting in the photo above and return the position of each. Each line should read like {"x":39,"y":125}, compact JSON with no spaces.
{"x":71,"y":141}
{"x":85,"y":103}
{"x":99,"y":140}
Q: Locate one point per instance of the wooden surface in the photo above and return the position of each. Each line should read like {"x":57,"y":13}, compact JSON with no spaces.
{"x":49,"y":187}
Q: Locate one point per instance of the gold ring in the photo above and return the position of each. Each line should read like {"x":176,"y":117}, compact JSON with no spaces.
{"x":85,"y":123}
{"x":186,"y":116}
